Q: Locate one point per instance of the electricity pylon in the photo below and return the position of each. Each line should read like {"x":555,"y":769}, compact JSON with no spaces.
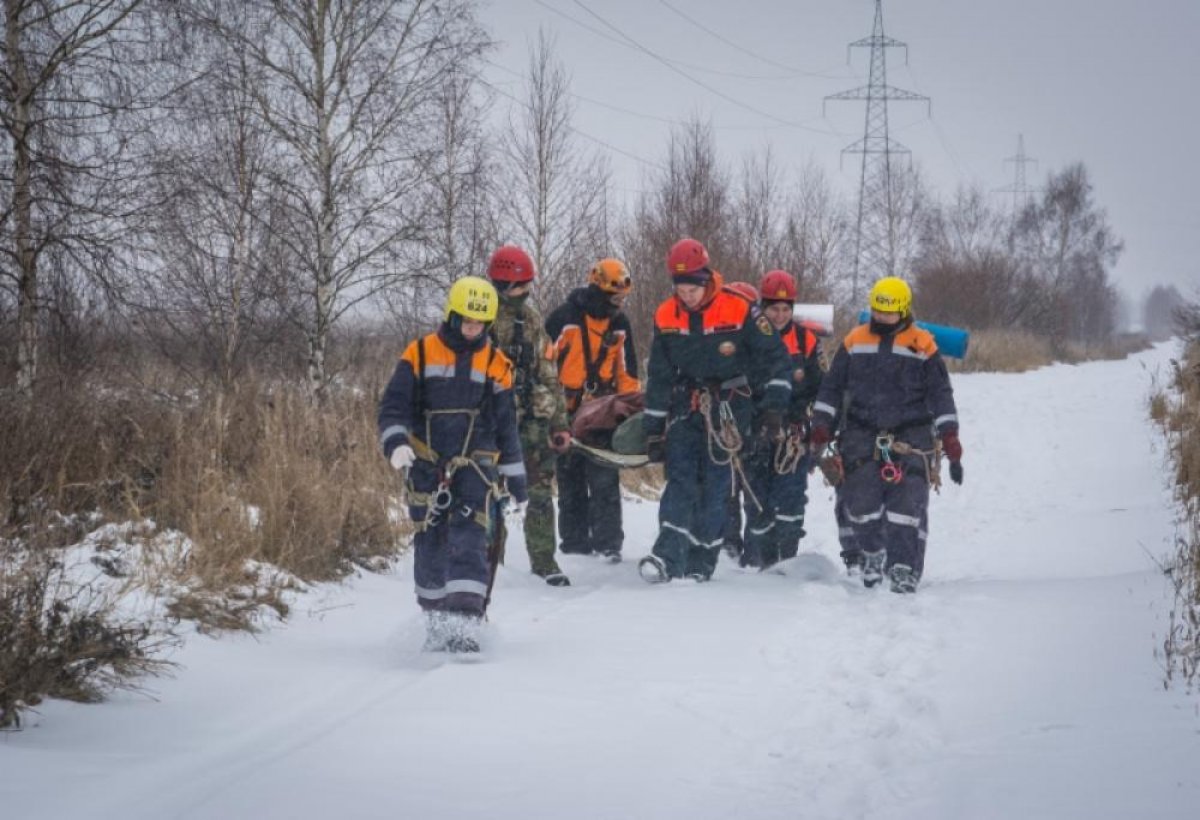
{"x":875,"y":237}
{"x":1020,"y":188}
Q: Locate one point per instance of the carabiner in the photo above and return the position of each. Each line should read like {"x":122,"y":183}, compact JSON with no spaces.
{"x":442,"y":498}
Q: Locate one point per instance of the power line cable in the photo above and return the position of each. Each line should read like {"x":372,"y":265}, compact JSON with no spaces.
{"x":705,"y":86}
{"x":793,"y":71}
{"x":690,"y":66}
{"x":639,"y":114}
{"x":963,"y":174}
{"x":574,"y":130}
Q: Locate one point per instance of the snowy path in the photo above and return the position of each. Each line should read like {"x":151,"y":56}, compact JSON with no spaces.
{"x":1019,"y":682}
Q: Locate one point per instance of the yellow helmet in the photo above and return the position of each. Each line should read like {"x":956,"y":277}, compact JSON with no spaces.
{"x":891,"y":295}
{"x":611,"y":276}
{"x":472,"y":298}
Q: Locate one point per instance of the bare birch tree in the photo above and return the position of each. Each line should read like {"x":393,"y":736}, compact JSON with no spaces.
{"x":63,"y":88}
{"x":349,"y":89}
{"x":689,"y":196}
{"x":461,"y":207}
{"x":213,"y":287}
{"x":552,"y":197}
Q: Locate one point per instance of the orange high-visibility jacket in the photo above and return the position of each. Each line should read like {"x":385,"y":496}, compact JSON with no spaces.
{"x":594,"y":356}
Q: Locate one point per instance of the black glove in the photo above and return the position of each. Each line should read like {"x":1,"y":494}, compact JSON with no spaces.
{"x":956,"y":472}
{"x":656,"y":449}
{"x":772,"y":424}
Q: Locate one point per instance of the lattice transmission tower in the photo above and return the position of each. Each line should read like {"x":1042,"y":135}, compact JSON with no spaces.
{"x":1020,"y":189}
{"x":875,"y":237}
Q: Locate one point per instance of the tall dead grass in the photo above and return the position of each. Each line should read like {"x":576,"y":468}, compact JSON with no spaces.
{"x":1016,"y":351}
{"x":1178,"y":413}
{"x":257,"y":474}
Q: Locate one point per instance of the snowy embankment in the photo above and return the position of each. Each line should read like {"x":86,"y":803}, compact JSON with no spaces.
{"x":1019,"y":682}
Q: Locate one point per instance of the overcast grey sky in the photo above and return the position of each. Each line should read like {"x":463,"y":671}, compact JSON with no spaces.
{"x":1111,"y":83}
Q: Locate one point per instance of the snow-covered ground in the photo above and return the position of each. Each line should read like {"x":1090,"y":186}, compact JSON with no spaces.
{"x":1020,"y":682}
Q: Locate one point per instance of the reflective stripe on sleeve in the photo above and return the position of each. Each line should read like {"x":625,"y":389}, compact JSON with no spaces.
{"x":658,"y":414}
{"x":514,"y":469}
{"x":395,"y":429}
{"x":822,"y":407}
{"x":940,"y":420}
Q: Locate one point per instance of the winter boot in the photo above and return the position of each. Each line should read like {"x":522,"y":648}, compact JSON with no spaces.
{"x":854,"y":563}
{"x":610,"y":556}
{"x":550,"y":572}
{"x":462,"y":632}
{"x":872,"y":567}
{"x":435,"y":632}
{"x":904,"y":580}
{"x":653,"y":570}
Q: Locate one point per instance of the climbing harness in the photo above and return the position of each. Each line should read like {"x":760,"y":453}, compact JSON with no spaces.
{"x":893,"y":473}
{"x":727,"y":438}
{"x":789,"y":452}
{"x":439,"y":504}
{"x":890,"y":472}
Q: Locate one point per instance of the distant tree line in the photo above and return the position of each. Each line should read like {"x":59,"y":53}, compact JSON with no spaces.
{"x":226,"y":182}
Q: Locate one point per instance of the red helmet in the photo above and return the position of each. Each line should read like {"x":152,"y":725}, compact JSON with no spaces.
{"x":510,"y":264}
{"x":778,"y":286}
{"x":745,"y":290}
{"x":686,"y":256}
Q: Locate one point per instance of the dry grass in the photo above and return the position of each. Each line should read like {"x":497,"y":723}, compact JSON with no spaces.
{"x":259,"y":475}
{"x":267,"y":490}
{"x":644,"y":482}
{"x":1016,"y":351}
{"x":63,"y":638}
{"x":1179,"y":416}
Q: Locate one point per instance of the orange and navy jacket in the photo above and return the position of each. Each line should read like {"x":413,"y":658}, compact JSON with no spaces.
{"x":613,"y":363}
{"x":804,"y":352}
{"x":474,"y":379}
{"x":896,"y":383}
{"x":721,"y":342}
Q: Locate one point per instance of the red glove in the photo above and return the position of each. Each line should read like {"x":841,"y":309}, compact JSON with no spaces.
{"x":951,"y":446}
{"x":560,"y":442}
{"x":820,"y":436}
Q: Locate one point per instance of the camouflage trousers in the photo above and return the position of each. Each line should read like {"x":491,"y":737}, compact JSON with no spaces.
{"x":539,"y":518}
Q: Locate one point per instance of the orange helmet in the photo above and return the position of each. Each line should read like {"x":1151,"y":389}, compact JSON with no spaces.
{"x":778,"y":286}
{"x":510,"y":264}
{"x":745,"y":290}
{"x":687,"y":256}
{"x":611,"y":276}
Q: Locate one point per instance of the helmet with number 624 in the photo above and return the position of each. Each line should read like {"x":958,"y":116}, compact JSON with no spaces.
{"x":474,"y":298}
